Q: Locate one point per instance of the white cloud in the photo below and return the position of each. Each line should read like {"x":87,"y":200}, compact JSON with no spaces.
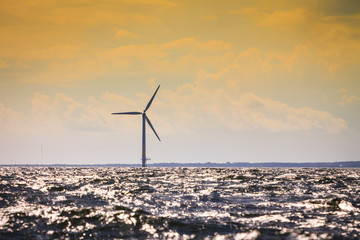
{"x":10,"y":119}
{"x":187,"y":109}
{"x":200,"y":108}
{"x":221,"y":99}
{"x":348,"y":100}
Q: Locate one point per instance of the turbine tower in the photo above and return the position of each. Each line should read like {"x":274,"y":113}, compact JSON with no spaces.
{"x":144,"y":118}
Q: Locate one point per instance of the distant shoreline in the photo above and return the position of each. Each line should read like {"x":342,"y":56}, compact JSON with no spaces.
{"x":344,"y":164}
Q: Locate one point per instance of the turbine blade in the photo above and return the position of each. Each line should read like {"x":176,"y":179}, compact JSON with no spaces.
{"x":148,"y":105}
{"x":128,"y":113}
{"x":148,"y":121}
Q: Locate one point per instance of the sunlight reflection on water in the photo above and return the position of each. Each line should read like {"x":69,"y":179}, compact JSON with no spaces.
{"x":179,"y":203}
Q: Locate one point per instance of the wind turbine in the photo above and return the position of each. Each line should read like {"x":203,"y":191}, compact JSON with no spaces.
{"x":144,"y":118}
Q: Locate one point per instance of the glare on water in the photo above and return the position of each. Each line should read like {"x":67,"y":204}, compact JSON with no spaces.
{"x":179,"y":203}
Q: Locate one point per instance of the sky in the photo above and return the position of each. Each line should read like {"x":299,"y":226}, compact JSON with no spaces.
{"x":241,"y":81}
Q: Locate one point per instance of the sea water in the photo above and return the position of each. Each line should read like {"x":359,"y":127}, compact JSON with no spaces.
{"x":179,"y":203}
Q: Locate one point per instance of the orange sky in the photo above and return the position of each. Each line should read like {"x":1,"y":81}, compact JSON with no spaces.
{"x":240,"y":80}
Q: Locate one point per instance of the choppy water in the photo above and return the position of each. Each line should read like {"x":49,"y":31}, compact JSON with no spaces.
{"x":179,"y":203}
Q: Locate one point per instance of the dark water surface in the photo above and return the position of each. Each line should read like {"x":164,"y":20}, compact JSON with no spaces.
{"x":179,"y":203}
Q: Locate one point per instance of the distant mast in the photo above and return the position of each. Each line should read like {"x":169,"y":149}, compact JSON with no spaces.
{"x":41,"y":151}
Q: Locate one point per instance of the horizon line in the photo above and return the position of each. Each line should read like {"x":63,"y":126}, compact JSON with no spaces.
{"x":353,"y":164}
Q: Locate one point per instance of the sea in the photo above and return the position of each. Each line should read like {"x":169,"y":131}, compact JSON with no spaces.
{"x":179,"y":203}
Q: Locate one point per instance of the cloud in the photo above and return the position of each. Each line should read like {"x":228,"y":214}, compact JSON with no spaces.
{"x":209,"y":17}
{"x":123,"y":33}
{"x":63,"y":113}
{"x":339,"y":7}
{"x":182,"y":56}
{"x":244,"y":11}
{"x":198,"y":108}
{"x":85,"y":13}
{"x":170,"y":51}
{"x":55,"y":115}
{"x":329,"y":32}
{"x":3,"y":64}
{"x":10,"y":120}
{"x":348,"y":100}
{"x":223,"y":91}
{"x":189,"y":108}
{"x":256,"y":112}
{"x":286,"y":19}
{"x":69,"y":63}
{"x":156,"y":3}
{"x":222,"y":100}
{"x":213,"y":99}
